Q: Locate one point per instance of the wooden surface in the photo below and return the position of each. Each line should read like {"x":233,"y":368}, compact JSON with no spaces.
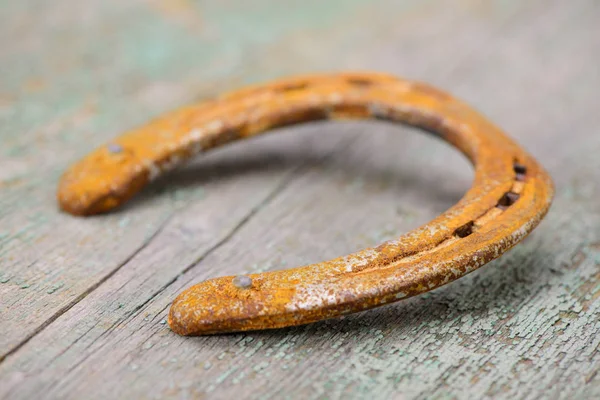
{"x":84,"y":301}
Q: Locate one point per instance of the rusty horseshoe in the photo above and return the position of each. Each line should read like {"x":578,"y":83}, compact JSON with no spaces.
{"x":510,"y":194}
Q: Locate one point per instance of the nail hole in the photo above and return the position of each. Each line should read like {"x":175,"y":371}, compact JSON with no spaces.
{"x":507,"y":200}
{"x":359,"y":82}
{"x":307,"y":115}
{"x":519,"y":169}
{"x":464,"y":230}
{"x":296,"y":86}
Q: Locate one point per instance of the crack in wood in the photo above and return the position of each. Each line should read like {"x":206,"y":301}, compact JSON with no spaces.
{"x":83,"y":295}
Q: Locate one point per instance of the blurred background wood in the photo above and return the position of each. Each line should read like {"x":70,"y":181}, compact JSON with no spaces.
{"x":84,"y":300}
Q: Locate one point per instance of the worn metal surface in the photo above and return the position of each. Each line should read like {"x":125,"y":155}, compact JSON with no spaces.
{"x":510,"y":195}
{"x":84,"y":301}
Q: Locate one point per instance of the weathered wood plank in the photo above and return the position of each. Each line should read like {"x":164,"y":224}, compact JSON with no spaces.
{"x":525,"y":326}
{"x":62,"y":110}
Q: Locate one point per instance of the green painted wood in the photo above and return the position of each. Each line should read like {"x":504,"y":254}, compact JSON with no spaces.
{"x":84,"y":300}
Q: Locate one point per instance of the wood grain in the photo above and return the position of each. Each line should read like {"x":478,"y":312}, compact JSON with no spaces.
{"x":83,"y":301}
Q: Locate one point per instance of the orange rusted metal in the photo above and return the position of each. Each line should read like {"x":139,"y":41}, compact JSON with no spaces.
{"x":511,"y":193}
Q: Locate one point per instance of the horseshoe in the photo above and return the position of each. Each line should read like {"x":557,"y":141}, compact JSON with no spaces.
{"x":510,"y":194}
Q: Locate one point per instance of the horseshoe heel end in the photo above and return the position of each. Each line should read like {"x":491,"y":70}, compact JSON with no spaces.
{"x":225,"y":304}
{"x":99,"y":183}
{"x":194,"y":311}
